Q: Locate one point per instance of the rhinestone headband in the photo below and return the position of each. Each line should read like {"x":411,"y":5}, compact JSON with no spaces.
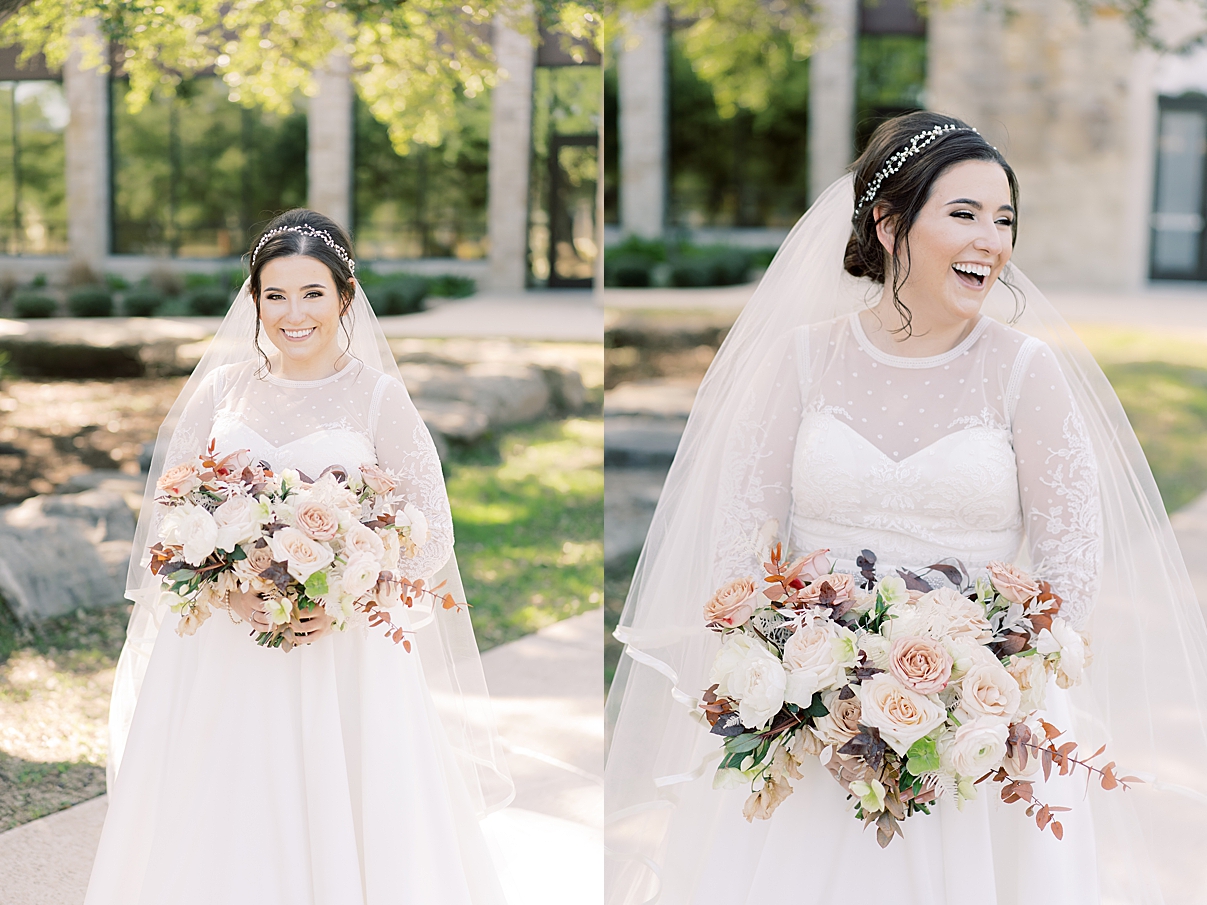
{"x":307,"y":230}
{"x":894,"y":163}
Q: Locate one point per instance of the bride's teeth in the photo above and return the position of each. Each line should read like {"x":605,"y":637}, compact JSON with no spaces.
{"x":298,"y":334}
{"x":980,"y":270}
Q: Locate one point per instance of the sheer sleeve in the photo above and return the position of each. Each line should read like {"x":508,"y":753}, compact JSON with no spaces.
{"x":756,"y":485}
{"x":1058,"y":482}
{"x":405,"y":447}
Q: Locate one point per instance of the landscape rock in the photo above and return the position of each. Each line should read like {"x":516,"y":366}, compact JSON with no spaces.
{"x":100,"y":347}
{"x":63,"y":552}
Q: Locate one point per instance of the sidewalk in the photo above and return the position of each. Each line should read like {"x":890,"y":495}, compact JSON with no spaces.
{"x":547,"y":692}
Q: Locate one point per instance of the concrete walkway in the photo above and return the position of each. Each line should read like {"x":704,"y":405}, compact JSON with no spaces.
{"x":548,"y":698}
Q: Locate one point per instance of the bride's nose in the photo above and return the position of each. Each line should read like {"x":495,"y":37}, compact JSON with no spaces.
{"x":988,"y":240}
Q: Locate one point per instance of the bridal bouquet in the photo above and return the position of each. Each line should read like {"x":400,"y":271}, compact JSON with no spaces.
{"x":904,"y":693}
{"x":228,"y":523}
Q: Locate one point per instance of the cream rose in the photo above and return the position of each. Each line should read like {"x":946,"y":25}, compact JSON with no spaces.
{"x":418,"y":524}
{"x":179,"y":480}
{"x":302,"y":555}
{"x":877,"y":648}
{"x":734,"y":649}
{"x":842,"y":584}
{"x":360,"y":575}
{"x":810,"y":567}
{"x":1012,"y":583}
{"x":237,"y":522}
{"x":376,"y":479}
{"x":841,"y":724}
{"x":1074,"y":653}
{"x":1032,"y":678}
{"x":758,"y":684}
{"x":733,"y":604}
{"x":816,"y":656}
{"x":316,"y":520}
{"x":945,"y":613}
{"x":922,"y":664}
{"x":192,"y":528}
{"x":902,"y":715}
{"x":361,"y":539}
{"x":988,"y":693}
{"x":974,"y":748}
{"x":392,"y":549}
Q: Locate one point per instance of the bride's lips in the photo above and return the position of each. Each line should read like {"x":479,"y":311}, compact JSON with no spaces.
{"x":305,"y":335}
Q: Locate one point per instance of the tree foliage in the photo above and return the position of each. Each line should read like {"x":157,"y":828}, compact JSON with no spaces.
{"x":409,"y":58}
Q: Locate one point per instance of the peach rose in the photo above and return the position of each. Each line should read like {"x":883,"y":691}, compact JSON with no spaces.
{"x":376,"y":479}
{"x":1012,"y":583}
{"x":841,"y":724}
{"x":179,"y":480}
{"x":901,"y":714}
{"x":842,"y":584}
{"x":921,"y":664}
{"x":811,"y":567}
{"x":303,"y":555}
{"x":317,"y":520}
{"x":988,"y":693}
{"x":733,"y":604}
{"x":229,"y":468}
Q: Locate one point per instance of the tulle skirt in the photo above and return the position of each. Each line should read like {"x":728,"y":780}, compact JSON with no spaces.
{"x":320,"y":776}
{"x":813,"y":851}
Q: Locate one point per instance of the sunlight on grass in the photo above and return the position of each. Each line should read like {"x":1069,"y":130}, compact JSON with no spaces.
{"x":530,"y":528}
{"x":1161,"y":379}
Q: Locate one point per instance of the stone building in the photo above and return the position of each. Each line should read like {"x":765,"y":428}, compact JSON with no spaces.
{"x":76,"y":186}
{"x":1109,"y":139}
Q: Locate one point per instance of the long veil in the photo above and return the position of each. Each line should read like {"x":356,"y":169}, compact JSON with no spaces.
{"x":1146,"y":692}
{"x":444,"y":639}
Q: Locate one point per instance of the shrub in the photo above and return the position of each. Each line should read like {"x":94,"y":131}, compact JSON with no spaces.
{"x":692,"y":273}
{"x":38,"y":282}
{"x":629,"y":270}
{"x":28,"y":304}
{"x":199,"y":280}
{"x":452,"y":286}
{"x":116,"y":282}
{"x":90,"y":301}
{"x":399,"y":295}
{"x":142,"y":302}
{"x":208,"y":301}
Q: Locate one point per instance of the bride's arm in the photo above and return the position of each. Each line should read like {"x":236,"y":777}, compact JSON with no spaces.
{"x":1058,"y":484}
{"x":405,"y":447}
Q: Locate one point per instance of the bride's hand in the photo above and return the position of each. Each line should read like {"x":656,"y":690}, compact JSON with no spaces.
{"x":310,"y":625}
{"x":249,"y":606}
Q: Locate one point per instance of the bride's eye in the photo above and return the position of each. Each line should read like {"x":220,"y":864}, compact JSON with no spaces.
{"x":968,"y":215}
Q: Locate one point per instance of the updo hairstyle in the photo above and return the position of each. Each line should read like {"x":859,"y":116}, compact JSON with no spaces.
{"x":903,"y":194}
{"x":290,"y":242}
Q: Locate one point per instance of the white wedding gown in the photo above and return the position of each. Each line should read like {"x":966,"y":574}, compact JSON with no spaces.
{"x":973,"y":455}
{"x":318,"y":776}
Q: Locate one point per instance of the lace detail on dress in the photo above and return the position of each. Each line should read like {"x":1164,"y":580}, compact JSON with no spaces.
{"x":987,"y":419}
{"x":1070,"y":553}
{"x":820,"y":408}
{"x":423,"y":484}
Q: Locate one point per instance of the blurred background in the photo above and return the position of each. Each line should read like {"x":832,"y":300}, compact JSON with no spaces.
{"x":141,"y":149}
{"x":723,"y":120}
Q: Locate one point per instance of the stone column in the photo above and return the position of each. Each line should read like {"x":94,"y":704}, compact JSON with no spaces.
{"x":86,"y":143}
{"x":642,"y":74}
{"x":832,"y":94}
{"x":510,"y":158}
{"x":329,"y":134}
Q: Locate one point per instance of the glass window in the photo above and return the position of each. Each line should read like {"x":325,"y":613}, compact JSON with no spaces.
{"x":562,"y":244}
{"x":195,"y":174}
{"x":1178,"y":200}
{"x":33,"y":190}
{"x":430,"y":202}
{"x":890,"y":79}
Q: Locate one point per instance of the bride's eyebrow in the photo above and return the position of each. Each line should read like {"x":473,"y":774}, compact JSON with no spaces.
{"x":971,"y":203}
{"x":307,"y":286}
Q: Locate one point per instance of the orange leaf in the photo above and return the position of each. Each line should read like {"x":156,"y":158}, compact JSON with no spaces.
{"x":1057,"y":830}
{"x":406,"y":645}
{"x":449,"y":603}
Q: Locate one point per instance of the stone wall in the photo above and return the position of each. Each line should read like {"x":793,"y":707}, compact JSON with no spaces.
{"x":1067,"y":100}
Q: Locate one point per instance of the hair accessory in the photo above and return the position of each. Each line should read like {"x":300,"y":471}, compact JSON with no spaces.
{"x":894,"y":163}
{"x":307,"y":230}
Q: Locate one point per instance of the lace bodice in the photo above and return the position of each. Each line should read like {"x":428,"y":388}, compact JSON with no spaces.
{"x":357,"y":416}
{"x":977,"y":454}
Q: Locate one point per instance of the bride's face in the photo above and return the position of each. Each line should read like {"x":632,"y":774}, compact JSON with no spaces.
{"x":959,"y":243}
{"x":300,"y":308}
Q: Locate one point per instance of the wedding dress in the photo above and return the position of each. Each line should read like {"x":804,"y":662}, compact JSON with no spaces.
{"x":325,"y":775}
{"x":1010,"y":446}
{"x":966,"y":457}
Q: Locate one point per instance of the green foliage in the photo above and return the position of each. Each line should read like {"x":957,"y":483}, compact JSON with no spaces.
{"x":143,"y":302}
{"x":890,"y":80}
{"x":33,"y":186}
{"x":30,"y":305}
{"x":646,"y":262}
{"x":90,"y":301}
{"x":401,"y":294}
{"x":116,"y":282}
{"x":208,"y":301}
{"x":451,"y":286}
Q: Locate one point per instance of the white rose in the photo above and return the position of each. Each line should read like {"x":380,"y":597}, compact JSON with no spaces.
{"x":988,"y":693}
{"x":418,"y":523}
{"x":966,"y":654}
{"x":360,"y":574}
{"x":391,"y":550}
{"x":945,"y":613}
{"x":734,"y":650}
{"x":192,"y":528}
{"x":238,"y":522}
{"x":816,"y":656}
{"x":1032,"y":678}
{"x":330,"y":492}
{"x":877,"y":648}
{"x":902,"y":715}
{"x":974,"y":749}
{"x":360,"y":539}
{"x":758,"y":683}
{"x":302,"y":555}
{"x":1065,"y":640}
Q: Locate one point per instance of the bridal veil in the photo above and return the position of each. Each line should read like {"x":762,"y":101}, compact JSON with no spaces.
{"x":1145,"y":695}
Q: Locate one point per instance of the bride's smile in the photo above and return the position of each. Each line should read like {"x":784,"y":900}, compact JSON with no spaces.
{"x":300,"y":309}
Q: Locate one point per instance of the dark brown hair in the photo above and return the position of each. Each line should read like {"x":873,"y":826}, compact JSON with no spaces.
{"x":291,"y":242}
{"x":903,"y":194}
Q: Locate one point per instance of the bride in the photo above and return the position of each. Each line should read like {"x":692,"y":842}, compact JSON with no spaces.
{"x":346,"y":769}
{"x":896,"y":384}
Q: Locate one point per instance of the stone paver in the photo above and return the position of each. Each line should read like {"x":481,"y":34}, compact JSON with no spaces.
{"x":548,"y":699}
